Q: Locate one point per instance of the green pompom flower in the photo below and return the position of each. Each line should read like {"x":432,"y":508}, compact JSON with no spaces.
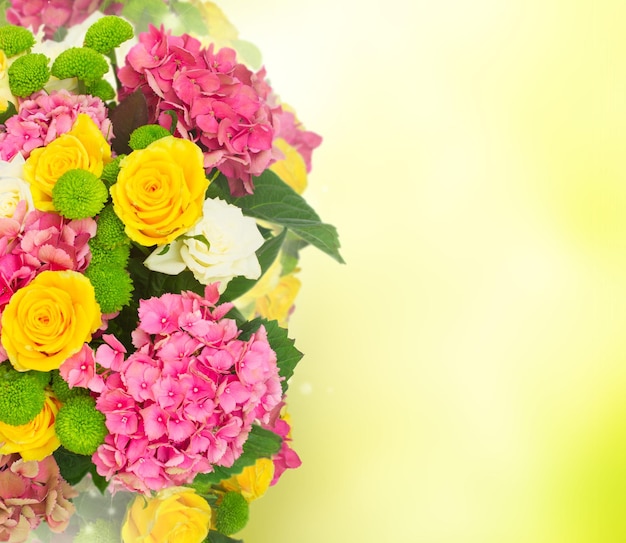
{"x":15,"y":40}
{"x":110,"y":171}
{"x":102,"y":89}
{"x":145,"y":135}
{"x":79,"y":194}
{"x":61,"y":389}
{"x":28,"y":74}
{"x":110,"y":231}
{"x":79,"y":426}
{"x":116,"y":256}
{"x":113,"y":286}
{"x":108,"y":33}
{"x":81,"y":62}
{"x":22,"y":395}
{"x":232,"y":513}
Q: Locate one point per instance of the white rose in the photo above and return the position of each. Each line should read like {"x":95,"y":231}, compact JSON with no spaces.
{"x":220,"y":246}
{"x":13,"y":187}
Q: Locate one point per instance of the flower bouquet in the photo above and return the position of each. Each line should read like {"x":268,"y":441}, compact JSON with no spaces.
{"x":151,"y":220}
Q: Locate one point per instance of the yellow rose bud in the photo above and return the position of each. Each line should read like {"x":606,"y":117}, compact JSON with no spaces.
{"x":253,"y":481}
{"x":49,"y":320}
{"x":36,"y":439}
{"x":83,"y":147}
{"x":292,"y":168}
{"x":173,"y":515}
{"x":160,"y":190}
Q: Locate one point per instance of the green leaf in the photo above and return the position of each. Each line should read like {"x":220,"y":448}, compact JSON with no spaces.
{"x":130,"y":113}
{"x":9,"y":112}
{"x":143,"y":12}
{"x":261,"y":443}
{"x":74,"y":467}
{"x":217,"y":537}
{"x":275,"y":201}
{"x":266,"y":255}
{"x":287,"y":356}
{"x":190,"y":18}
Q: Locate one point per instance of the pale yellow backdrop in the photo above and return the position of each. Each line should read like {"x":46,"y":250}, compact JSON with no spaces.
{"x":465,"y":375}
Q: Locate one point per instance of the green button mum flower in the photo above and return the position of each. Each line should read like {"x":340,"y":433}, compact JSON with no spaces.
{"x":232,"y":513}
{"x":15,"y":40}
{"x":108,"y":33}
{"x":22,"y":395}
{"x":79,"y":194}
{"x":145,"y":135}
{"x":113,"y":286}
{"x":81,"y":62}
{"x":28,"y":74}
{"x":79,"y":426}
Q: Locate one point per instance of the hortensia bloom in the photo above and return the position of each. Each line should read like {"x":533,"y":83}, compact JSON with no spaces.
{"x":31,"y":492}
{"x":220,"y":104}
{"x":186,"y":398}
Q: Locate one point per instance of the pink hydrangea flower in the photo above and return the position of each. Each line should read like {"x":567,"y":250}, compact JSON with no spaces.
{"x":220,"y":104}
{"x":43,"y":117}
{"x":29,"y":493}
{"x":286,"y":458}
{"x":292,"y":131}
{"x":186,"y":399}
{"x":79,"y":370}
{"x":33,"y":242}
{"x":54,"y":14}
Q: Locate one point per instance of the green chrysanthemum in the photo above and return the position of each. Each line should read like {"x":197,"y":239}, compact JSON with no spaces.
{"x":113,"y":286}
{"x":28,"y":74}
{"x":79,"y":426}
{"x":108,"y":33}
{"x":117,"y":256}
{"x":61,"y":389}
{"x":79,"y":194}
{"x":22,"y":395}
{"x":111,"y":170}
{"x":81,"y":62}
{"x":145,"y":135}
{"x":232,"y":513}
{"x":15,"y":40}
{"x":110,"y":231}
{"x":102,"y":89}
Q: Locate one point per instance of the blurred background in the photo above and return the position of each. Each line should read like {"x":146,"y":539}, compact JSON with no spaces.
{"x":464,"y":378}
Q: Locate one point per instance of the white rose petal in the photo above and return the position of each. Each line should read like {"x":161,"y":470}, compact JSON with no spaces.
{"x":231,"y":251}
{"x":13,"y":188}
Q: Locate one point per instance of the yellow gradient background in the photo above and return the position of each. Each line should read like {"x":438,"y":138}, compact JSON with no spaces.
{"x":465,"y":375}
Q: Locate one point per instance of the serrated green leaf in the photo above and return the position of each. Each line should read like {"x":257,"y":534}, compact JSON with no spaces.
{"x":276,"y":202}
{"x":266,"y":255}
{"x":287,"y":356}
{"x":261,"y":443}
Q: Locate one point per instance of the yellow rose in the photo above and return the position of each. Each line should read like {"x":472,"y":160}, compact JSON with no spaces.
{"x":253,"y":481}
{"x":36,"y":439}
{"x":272,"y":297}
{"x":173,"y":515}
{"x":292,"y":168}
{"x":160,"y":190}
{"x":49,"y":320}
{"x":83,"y":147}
